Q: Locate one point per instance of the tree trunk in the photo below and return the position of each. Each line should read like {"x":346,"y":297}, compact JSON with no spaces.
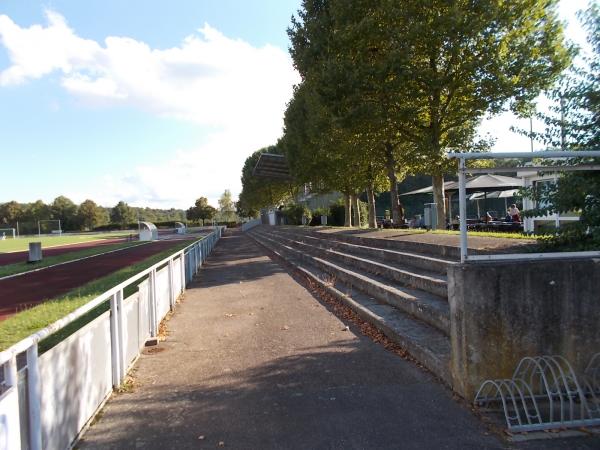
{"x":438,"y":199}
{"x":371,"y":203}
{"x":348,"y":211}
{"x":396,"y":207}
{"x":355,"y":211}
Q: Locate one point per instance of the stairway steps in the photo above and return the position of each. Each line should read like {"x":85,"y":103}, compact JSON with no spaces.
{"x":424,"y":342}
{"x":413,"y":259}
{"x":397,"y":273}
{"x":424,"y":306}
{"x":433,"y":250}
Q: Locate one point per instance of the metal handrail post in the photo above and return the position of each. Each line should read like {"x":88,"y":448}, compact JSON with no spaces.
{"x":34,"y":398}
{"x":462,"y":201}
{"x":153,"y":314}
{"x":171,"y":285}
{"x":114,"y":342}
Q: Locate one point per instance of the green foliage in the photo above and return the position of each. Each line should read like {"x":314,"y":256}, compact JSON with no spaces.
{"x":90,"y":215}
{"x":122,"y":214}
{"x":65,"y":210}
{"x":316,"y":216}
{"x":294,"y":213}
{"x":574,"y":123}
{"x":388,"y":87}
{"x":226,"y":212}
{"x":337,"y":213}
{"x":87,"y":216}
{"x":201,"y":211}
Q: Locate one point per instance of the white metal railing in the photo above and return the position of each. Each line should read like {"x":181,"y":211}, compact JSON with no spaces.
{"x":250,"y":224}
{"x":47,"y":400}
{"x":462,"y":194}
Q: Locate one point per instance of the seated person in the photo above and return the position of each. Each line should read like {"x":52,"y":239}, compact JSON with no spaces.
{"x":508,"y":217}
{"x":514,"y":213}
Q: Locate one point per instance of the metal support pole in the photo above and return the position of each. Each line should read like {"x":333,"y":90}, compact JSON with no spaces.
{"x":182,"y":271}
{"x":153,"y":314}
{"x":171,"y":285}
{"x":35,"y":400}
{"x":114,"y":342}
{"x":462,"y":201}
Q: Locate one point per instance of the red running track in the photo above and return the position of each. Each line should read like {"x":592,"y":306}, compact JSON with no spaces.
{"x":18,"y":257}
{"x":32,"y":288}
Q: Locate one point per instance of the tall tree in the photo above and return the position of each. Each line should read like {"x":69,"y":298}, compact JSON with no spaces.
{"x":574,"y":124}
{"x":90,"y":215}
{"x":63,"y":209}
{"x":122,"y":214}
{"x":201,"y":210}
{"x":10,"y":213}
{"x":450,"y":63}
{"x":226,"y":208}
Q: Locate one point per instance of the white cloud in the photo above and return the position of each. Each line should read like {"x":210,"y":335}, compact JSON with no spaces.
{"x":227,"y":84}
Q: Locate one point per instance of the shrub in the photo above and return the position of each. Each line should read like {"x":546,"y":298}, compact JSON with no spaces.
{"x":294,"y":213}
{"x":316,"y":216}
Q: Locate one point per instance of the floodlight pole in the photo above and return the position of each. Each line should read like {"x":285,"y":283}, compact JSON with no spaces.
{"x":462,"y":202}
{"x":39,"y":230}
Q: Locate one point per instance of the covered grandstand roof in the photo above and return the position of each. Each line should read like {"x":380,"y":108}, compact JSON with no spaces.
{"x":270,"y":165}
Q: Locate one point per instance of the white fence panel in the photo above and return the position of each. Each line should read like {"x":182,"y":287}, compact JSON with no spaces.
{"x":131,"y":328}
{"x":9,"y":420}
{"x":162,"y":293}
{"x":76,"y":377}
{"x":177,"y":276}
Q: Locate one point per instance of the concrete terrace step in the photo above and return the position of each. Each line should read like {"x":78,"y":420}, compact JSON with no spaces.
{"x":422,"y":305}
{"x":413,"y":258}
{"x":397,"y":273}
{"x":439,"y":251}
{"x":424,"y":342}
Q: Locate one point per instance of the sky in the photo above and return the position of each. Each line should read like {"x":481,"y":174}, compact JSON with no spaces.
{"x":151,"y":102}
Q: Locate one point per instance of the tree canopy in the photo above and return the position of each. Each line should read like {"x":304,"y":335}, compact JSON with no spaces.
{"x":389,"y":87}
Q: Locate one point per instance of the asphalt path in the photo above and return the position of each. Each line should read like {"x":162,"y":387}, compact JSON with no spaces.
{"x":253,"y":361}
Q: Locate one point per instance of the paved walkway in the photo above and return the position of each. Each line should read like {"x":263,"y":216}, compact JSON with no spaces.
{"x":254,"y":361}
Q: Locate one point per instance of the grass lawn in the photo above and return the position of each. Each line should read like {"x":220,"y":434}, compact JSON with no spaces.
{"x":22,"y":243}
{"x":12,"y":269}
{"x":27,"y":322}
{"x":492,"y":234}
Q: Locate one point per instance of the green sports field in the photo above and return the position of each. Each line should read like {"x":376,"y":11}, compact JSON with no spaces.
{"x":22,"y":243}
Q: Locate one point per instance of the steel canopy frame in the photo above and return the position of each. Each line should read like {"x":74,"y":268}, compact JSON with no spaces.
{"x":462,"y":194}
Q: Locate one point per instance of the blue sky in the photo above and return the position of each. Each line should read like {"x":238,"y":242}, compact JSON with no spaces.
{"x":152,"y":102}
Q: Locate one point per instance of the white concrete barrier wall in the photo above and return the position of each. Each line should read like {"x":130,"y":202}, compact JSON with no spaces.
{"x":76,"y":377}
{"x":69,"y":383}
{"x":9,"y":419}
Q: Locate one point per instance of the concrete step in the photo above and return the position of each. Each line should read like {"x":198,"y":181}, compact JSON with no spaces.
{"x":372,"y":251}
{"x":424,"y":342}
{"x":403,"y":274}
{"x":435,"y":250}
{"x":422,"y":305}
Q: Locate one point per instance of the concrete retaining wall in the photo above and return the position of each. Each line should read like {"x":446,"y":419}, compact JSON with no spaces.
{"x":503,"y":311}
